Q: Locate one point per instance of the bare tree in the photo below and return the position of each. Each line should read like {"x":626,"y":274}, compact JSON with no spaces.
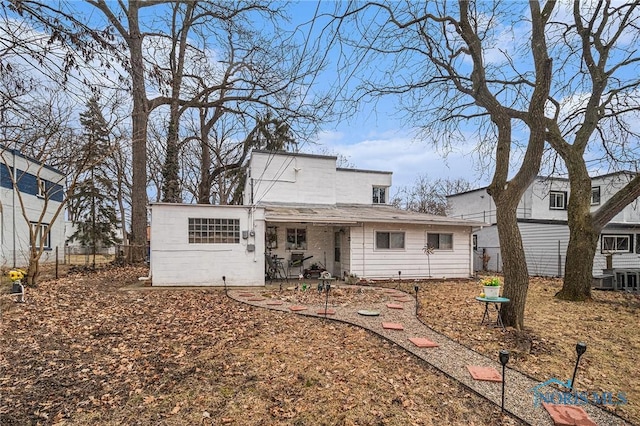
{"x":438,"y":56}
{"x":489,"y":65}
{"x":429,"y":196}
{"x":37,"y":125}
{"x":593,"y":122}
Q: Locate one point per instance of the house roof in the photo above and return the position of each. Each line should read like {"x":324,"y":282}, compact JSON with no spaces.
{"x":554,"y":178}
{"x":351,"y":214}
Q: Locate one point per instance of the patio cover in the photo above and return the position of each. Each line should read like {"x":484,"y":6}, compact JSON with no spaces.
{"x":351,"y":214}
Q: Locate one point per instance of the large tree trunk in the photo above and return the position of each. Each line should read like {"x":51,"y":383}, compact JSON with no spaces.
{"x":516,"y":278}
{"x":204,"y":186}
{"x":139,"y":119}
{"x":582,"y":246}
{"x":583,"y":233}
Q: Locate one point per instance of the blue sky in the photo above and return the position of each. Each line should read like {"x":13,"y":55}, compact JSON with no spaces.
{"x":375,"y":137}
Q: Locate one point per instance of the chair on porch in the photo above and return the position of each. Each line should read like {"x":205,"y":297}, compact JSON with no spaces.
{"x":275,"y":267}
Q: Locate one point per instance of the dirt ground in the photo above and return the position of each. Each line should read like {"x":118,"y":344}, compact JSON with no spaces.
{"x":99,"y":348}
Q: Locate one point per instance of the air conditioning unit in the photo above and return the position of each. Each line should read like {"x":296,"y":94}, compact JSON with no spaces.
{"x":603,"y":282}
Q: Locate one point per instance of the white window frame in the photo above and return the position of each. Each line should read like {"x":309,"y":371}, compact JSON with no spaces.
{"x":40,"y":229}
{"x":42,"y":187}
{"x":392,"y":242}
{"x":615,"y":243}
{"x":296,"y":239}
{"x":208,"y":230}
{"x":379,"y":195}
{"x":440,"y":245}
{"x":557,"y":196}
{"x":594,"y":190}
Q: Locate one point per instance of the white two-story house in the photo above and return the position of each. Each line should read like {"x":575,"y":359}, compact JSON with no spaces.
{"x":303,"y":210}
{"x":542,"y":219}
{"x":30,"y":195}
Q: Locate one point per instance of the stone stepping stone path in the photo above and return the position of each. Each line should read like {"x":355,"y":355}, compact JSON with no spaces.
{"x":422,"y":342}
{"x":568,"y":415}
{"x":392,"y":326}
{"x":394,"y":306}
{"x":488,"y":374}
{"x":297,"y":308}
{"x":472,"y":369}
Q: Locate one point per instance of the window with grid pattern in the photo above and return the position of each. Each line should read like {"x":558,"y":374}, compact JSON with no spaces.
{"x":214,"y":231}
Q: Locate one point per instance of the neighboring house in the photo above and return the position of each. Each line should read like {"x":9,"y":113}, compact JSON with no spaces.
{"x":76,"y":247}
{"x":304,"y":210}
{"x":542,"y":219}
{"x":41,"y":189}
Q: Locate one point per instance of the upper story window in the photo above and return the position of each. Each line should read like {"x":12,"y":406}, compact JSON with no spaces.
{"x":595,"y":195}
{"x":42,"y":188}
{"x":440,"y":241}
{"x":296,"y":239}
{"x":615,"y":243}
{"x":379,"y":195}
{"x":214,"y":231}
{"x":557,"y":200}
{"x":389,"y":240}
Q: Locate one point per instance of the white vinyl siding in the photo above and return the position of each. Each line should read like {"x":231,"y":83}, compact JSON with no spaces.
{"x":366,"y":261}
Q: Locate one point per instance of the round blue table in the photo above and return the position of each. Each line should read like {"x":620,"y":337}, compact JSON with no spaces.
{"x":497,"y":304}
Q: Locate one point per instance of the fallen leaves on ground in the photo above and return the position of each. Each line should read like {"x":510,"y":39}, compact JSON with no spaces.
{"x":99,"y":348}
{"x":609,"y":325}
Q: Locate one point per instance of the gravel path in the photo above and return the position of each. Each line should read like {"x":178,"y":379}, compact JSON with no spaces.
{"x":449,"y":357}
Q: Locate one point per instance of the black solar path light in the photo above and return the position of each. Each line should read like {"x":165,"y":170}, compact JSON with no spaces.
{"x":326,"y":300}
{"x":224,"y":280}
{"x":581,"y":348}
{"x":416,"y":288}
{"x":504,"y":359}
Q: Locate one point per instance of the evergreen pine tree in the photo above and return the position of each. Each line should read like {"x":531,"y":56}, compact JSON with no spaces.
{"x":92,"y":207}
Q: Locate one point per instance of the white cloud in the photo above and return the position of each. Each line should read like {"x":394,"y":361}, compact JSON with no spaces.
{"x":399,"y":152}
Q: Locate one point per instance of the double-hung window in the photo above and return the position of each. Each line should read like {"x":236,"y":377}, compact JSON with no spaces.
{"x":42,"y":188}
{"x":296,"y":239}
{"x":42,"y":234}
{"x":440,"y":241}
{"x":557,"y":200}
{"x":389,"y":240}
{"x":615,"y":243}
{"x":595,"y":195}
{"x":214,"y":231}
{"x":379,"y":195}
